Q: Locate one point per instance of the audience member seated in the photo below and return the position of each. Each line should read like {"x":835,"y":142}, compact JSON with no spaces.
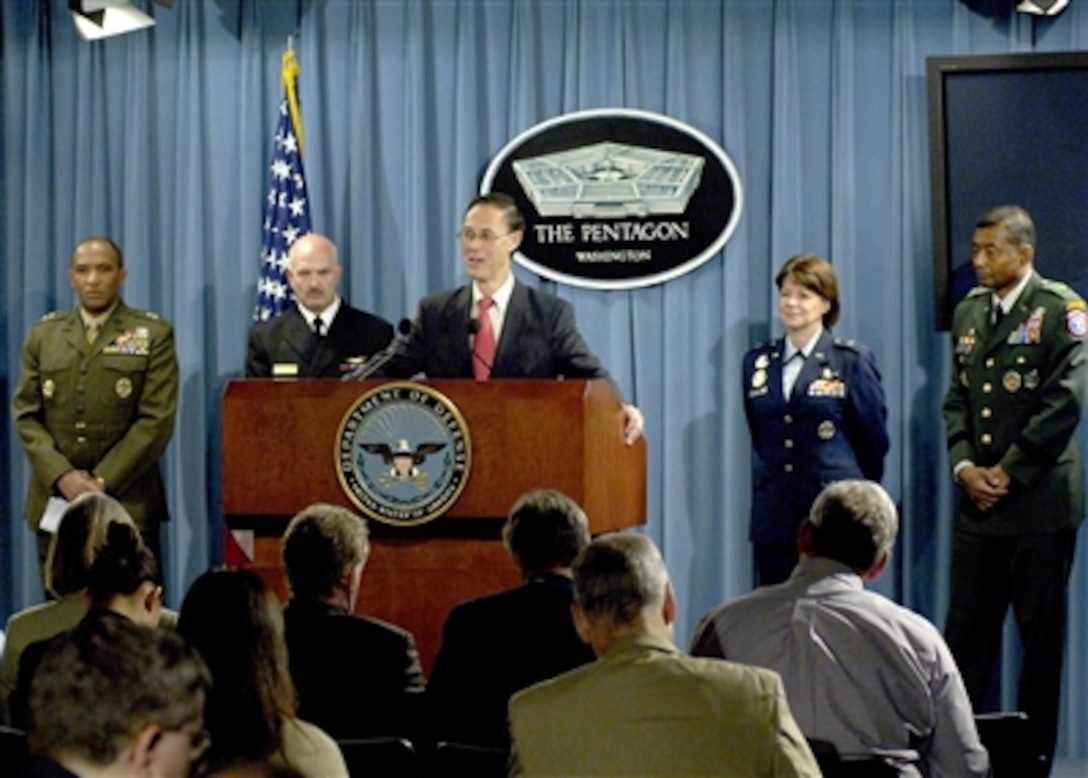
{"x":235,"y":622}
{"x":79,"y":538}
{"x":122,"y":583}
{"x":499,"y":644}
{"x":357,"y":677}
{"x":644,"y":708}
{"x":861,"y":672}
{"x":115,"y":699}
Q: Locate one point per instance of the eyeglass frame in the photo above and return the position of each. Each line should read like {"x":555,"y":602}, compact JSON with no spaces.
{"x":468,"y":235}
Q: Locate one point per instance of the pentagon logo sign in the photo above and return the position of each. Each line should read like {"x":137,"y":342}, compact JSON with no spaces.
{"x":403,"y":453}
{"x":617,"y":198}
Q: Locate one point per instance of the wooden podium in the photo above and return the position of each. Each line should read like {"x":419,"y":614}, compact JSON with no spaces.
{"x":280,"y":440}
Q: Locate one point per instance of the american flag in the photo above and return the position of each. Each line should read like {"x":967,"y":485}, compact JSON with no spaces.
{"x":287,"y":207}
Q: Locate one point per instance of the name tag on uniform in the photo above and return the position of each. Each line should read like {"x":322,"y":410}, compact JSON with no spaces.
{"x":285,"y":370}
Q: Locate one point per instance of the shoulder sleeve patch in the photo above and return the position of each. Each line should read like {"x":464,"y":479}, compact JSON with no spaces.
{"x":49,"y":316}
{"x":1077,"y":323}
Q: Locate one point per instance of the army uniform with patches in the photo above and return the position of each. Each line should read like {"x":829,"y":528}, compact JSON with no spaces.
{"x":107,"y":407}
{"x":1015,"y":400}
{"x":832,"y":427}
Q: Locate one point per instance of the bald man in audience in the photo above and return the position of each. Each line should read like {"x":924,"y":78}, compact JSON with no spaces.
{"x":862,"y":673}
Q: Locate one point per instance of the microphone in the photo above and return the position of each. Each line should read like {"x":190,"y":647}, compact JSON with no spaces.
{"x":473,"y":330}
{"x":377,"y":361}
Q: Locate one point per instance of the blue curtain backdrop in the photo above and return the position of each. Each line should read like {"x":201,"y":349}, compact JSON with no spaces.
{"x":160,"y":139}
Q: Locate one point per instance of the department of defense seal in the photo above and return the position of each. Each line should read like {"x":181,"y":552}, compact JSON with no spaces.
{"x":403,"y":453}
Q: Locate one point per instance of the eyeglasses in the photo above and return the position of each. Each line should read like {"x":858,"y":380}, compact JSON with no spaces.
{"x":200,"y":740}
{"x":468,"y":235}
{"x":199,"y":743}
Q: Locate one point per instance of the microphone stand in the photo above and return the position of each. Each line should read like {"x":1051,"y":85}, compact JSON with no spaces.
{"x":378,"y":361}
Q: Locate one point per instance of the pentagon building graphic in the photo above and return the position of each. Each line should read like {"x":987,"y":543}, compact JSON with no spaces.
{"x":609,"y":180}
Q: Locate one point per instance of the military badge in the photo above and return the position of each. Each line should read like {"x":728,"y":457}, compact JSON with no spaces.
{"x":123,"y":387}
{"x":1031,"y":380}
{"x":1011,"y":381}
{"x":966,"y":342}
{"x":826,"y":430}
{"x":827,"y":387}
{"x":135,"y":342}
{"x":1077,"y":323}
{"x":48,"y":388}
{"x":762,"y":361}
{"x":759,"y":378}
{"x":964,"y":380}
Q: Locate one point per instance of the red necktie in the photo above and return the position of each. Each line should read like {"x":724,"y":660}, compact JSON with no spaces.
{"x":483,"y":349}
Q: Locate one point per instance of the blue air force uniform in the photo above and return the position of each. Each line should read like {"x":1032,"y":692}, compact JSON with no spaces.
{"x":832,"y":427}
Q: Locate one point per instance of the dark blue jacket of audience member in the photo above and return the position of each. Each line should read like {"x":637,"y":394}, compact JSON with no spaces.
{"x":494,"y":646}
{"x":356,"y":677}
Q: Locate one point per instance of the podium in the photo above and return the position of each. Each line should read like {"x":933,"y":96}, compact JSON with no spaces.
{"x":280,"y":451}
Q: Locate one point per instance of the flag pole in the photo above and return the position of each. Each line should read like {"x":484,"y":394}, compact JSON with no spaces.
{"x":290,"y":81}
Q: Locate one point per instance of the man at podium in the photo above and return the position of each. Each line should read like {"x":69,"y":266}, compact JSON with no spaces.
{"x":496,"y":327}
{"x":321,"y":336}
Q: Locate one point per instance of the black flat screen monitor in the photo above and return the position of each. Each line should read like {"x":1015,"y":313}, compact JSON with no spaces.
{"x":1008,"y":130}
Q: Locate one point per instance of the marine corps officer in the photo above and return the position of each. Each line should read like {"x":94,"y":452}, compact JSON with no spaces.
{"x":1019,"y":376}
{"x":96,"y":397}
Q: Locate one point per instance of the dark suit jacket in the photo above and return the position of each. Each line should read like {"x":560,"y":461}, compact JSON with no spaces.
{"x":287,"y":340}
{"x":494,"y":646}
{"x":539,"y":339}
{"x":356,"y":677}
{"x":832,"y":427}
{"x":1016,"y":398}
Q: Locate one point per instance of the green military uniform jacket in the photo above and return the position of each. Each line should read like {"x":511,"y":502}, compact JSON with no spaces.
{"x":1016,"y":399}
{"x":106,"y":407}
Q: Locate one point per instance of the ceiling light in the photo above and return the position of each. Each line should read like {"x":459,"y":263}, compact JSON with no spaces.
{"x":95,"y":19}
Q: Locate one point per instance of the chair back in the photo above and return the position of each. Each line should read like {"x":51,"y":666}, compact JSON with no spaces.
{"x":466,"y":759}
{"x":1008,"y":737}
{"x":835,"y":765}
{"x":12,"y":748}
{"x":386,"y":756}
